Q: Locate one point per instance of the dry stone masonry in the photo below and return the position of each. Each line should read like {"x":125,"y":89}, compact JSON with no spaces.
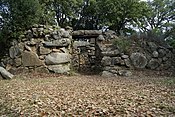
{"x":85,"y":53}
{"x":53,"y":49}
{"x":143,"y":55}
{"x":41,"y":49}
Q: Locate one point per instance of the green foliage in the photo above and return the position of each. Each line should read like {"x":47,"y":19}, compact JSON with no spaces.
{"x":18,"y":15}
{"x":160,"y":19}
{"x":24,"y":13}
{"x":123,"y":44}
{"x":48,"y":13}
{"x":89,"y":15}
{"x":172,"y":42}
{"x":63,"y":11}
{"x":117,"y":14}
{"x":156,"y":17}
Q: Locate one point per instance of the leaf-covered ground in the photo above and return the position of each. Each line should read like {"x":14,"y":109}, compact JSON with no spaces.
{"x":48,"y":95}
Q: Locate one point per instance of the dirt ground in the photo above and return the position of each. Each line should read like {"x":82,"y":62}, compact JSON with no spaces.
{"x":39,"y":95}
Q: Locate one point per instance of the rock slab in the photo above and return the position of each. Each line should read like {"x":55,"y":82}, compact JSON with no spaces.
{"x":57,"y":58}
{"x":60,"y":69}
{"x":30,"y":59}
{"x":5,"y":74}
{"x":107,"y":74}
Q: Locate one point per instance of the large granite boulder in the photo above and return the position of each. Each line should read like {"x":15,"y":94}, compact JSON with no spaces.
{"x":138,"y":60}
{"x":60,"y":69}
{"x":153,"y":64}
{"x":30,"y":59}
{"x":5,"y":74}
{"x":57,"y":58}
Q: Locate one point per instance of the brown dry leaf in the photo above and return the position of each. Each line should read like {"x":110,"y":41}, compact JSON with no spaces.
{"x":55,"y":95}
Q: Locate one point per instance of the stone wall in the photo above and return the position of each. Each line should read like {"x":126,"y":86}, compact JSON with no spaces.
{"x":86,"y":57}
{"x":141,"y":55}
{"x":112,"y":61}
{"x":41,"y":49}
{"x":53,"y":49}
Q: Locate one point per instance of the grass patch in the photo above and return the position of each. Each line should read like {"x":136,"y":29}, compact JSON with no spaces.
{"x":123,"y":44}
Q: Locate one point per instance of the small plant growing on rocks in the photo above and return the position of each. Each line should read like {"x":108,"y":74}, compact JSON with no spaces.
{"x":123,"y":44}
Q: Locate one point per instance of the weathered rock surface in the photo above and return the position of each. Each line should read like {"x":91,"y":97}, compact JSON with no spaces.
{"x":100,"y":38}
{"x":5,"y":74}
{"x":111,"y":53}
{"x":93,"y":32}
{"x":80,"y":44}
{"x":125,"y":56}
{"x":106,"y":61}
{"x":44,"y":51}
{"x":18,"y":62}
{"x":14,"y":51}
{"x":152,"y":46}
{"x":125,"y":73}
{"x":57,"y":58}
{"x":49,"y":47}
{"x":127,"y":62}
{"x":60,"y":69}
{"x":30,"y":59}
{"x":64,"y":33}
{"x":138,"y":60}
{"x":37,"y":44}
{"x":155,"y":54}
{"x":107,"y":74}
{"x":162,"y":53}
{"x":57,"y":43}
{"x":116,"y":60}
{"x":153,"y":64}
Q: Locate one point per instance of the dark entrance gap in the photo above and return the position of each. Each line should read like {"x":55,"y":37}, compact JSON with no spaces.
{"x":86,"y":57}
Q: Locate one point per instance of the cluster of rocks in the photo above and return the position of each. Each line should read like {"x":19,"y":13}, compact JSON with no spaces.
{"x":114,"y":62}
{"x":91,"y":50}
{"x":155,"y":56}
{"x":54,"y":49}
{"x":85,"y":53}
{"x":41,"y":49}
{"x":147,"y":56}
